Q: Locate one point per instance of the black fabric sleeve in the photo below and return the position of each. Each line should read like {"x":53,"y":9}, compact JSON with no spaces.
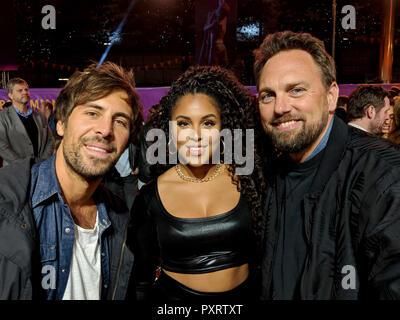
{"x":143,"y":165}
{"x":381,"y":241}
{"x":145,"y":246}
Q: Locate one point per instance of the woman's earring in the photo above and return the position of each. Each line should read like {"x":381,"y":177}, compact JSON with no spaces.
{"x":169,"y":148}
{"x":223,"y":143}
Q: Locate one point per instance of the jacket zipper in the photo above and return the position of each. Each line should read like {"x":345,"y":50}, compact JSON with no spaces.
{"x":308,"y":230}
{"x":273,"y":258}
{"x":277,"y":228}
{"x":120,"y":261}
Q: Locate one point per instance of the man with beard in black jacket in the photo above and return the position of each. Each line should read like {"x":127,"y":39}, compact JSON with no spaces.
{"x":332,"y":209}
{"x":62,"y":233}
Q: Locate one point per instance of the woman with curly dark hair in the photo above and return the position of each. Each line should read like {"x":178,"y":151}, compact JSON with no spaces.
{"x":200,"y":217}
{"x":394,"y":131}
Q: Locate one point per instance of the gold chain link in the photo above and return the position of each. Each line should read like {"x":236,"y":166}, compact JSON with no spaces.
{"x":198,"y":180}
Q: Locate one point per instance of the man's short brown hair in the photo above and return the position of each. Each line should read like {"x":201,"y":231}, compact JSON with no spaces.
{"x":364,"y":96}
{"x":342,"y":101}
{"x":288,"y":40}
{"x":12,"y":82}
{"x":97,"y":82}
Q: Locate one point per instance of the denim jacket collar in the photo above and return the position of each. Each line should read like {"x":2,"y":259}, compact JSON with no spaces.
{"x":47,"y":186}
{"x":47,"y":183}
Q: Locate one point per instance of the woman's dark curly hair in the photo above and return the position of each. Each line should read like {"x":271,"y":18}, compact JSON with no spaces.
{"x":237,"y":111}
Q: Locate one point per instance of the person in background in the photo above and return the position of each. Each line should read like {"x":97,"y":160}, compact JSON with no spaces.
{"x":144,"y":174}
{"x":24,"y":132}
{"x":394,"y":134}
{"x":389,"y":124}
{"x":341,"y":107}
{"x":46,"y":107}
{"x":122,"y":179}
{"x":368,"y":108}
{"x":394,"y":91}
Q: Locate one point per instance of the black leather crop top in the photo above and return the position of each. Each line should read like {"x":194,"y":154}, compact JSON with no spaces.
{"x":188,"y":245}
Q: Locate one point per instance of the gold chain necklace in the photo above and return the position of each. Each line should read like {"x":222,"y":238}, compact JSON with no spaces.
{"x":217,"y":171}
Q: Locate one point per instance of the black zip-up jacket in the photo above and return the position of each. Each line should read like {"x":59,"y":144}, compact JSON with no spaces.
{"x":351,"y":221}
{"x":20,"y":267}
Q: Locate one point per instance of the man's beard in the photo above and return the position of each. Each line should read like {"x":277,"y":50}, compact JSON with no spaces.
{"x":376,"y":127}
{"x":23,"y":101}
{"x":97,"y":168}
{"x":293,"y":142}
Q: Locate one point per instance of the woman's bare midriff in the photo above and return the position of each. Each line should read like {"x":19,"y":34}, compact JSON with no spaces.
{"x":217,"y":281}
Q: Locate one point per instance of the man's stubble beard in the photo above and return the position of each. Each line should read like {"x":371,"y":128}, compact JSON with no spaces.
{"x":295,"y":142}
{"x":94,"y":171}
{"x":376,"y":127}
{"x":25,"y":101}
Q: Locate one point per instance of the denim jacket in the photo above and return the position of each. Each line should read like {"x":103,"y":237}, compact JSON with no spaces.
{"x":55,"y":226}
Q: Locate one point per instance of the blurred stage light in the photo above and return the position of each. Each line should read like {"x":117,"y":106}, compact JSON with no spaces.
{"x":117,"y":33}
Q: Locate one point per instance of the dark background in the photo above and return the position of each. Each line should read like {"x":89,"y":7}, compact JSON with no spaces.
{"x":160,"y":37}
{"x":8,"y":51}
